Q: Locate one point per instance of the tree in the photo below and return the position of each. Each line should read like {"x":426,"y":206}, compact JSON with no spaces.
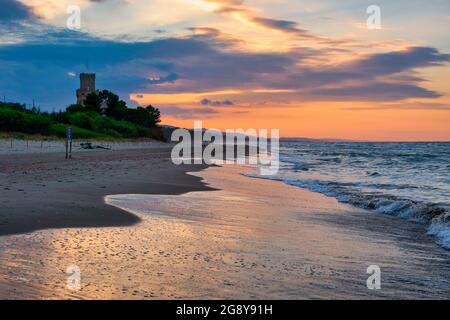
{"x":155,"y":115}
{"x":93,"y":102}
{"x":75,"y":108}
{"x":116,"y":108}
{"x":147,"y":117}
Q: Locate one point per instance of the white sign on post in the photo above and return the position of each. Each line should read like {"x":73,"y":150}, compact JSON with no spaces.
{"x":69,"y":144}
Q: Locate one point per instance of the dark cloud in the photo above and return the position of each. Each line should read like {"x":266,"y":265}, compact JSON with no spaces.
{"x":171,"y":77}
{"x":38,"y":69}
{"x":12,"y":10}
{"x":129,"y":67}
{"x":184,"y":113}
{"x":374,"y":92}
{"x":215,"y":103}
{"x":282,"y":25}
{"x":383,"y":76}
{"x":394,"y":62}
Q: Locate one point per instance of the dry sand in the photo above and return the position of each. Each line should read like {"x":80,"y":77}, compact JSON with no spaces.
{"x":41,"y":190}
{"x":15,"y":146}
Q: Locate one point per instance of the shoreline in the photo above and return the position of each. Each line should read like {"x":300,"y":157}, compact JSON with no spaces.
{"x":431,"y":216}
{"x":143,"y":228}
{"x":247,"y":239}
{"x":290,"y":242}
{"x":45,"y":191}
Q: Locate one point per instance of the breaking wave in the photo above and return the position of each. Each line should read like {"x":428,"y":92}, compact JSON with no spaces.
{"x":404,"y":180}
{"x":437,"y":217}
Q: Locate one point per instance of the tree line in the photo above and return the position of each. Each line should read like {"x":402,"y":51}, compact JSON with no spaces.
{"x":103,"y":115}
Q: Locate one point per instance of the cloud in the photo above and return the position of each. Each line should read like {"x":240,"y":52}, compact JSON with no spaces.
{"x":171,"y":77}
{"x":384,"y":76}
{"x":285,"y":26}
{"x":187,"y":113}
{"x":203,"y":62}
{"x":404,"y":106}
{"x":215,"y":103}
{"x":394,"y":62}
{"x":282,"y":25}
{"x":12,"y":10}
{"x":374,"y":92}
{"x":292,"y":28}
{"x":128,"y":67}
{"x":227,"y":2}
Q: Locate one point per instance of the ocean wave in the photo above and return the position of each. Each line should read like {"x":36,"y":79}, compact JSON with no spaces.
{"x":440,"y":228}
{"x":436,"y":217}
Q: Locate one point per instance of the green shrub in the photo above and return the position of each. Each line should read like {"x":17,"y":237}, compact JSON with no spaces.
{"x":106,"y":125}
{"x":12,"y":120}
{"x":16,"y":118}
{"x":60,"y":130}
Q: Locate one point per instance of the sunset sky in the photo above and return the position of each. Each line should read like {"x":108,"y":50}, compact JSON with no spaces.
{"x":309,"y":68}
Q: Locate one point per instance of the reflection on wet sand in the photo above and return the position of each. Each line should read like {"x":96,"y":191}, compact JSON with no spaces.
{"x":252,"y":239}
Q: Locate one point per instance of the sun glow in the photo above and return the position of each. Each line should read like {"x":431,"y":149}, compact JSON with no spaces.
{"x":204,"y":5}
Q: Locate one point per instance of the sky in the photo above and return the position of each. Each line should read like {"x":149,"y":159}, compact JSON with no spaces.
{"x":306,"y":67}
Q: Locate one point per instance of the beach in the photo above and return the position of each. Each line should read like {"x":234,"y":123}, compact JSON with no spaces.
{"x":41,"y":189}
{"x":138,"y":227}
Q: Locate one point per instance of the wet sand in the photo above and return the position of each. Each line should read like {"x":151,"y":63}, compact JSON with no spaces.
{"x":252,"y":239}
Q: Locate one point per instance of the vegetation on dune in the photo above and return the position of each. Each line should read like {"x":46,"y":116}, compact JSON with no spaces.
{"x":103,"y":115}
{"x":14,"y":117}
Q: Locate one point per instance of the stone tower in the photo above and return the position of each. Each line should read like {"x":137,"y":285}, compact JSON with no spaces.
{"x":87,"y":85}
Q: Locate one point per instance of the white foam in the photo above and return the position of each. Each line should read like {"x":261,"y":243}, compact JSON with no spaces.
{"x":385,"y":204}
{"x":441,"y":230}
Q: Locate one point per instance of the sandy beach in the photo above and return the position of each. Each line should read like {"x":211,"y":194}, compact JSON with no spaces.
{"x":140,"y":228}
{"x":41,"y":189}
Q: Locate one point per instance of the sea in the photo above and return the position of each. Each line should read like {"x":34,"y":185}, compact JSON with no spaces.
{"x":407,"y":180}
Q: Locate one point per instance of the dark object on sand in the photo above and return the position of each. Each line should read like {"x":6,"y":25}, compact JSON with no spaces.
{"x":90,"y":146}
